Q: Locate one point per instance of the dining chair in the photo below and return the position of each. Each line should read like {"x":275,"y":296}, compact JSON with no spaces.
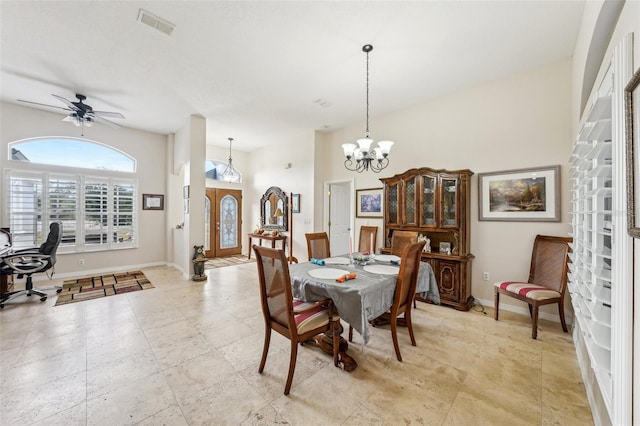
{"x":367,"y":241}
{"x":296,"y":320}
{"x":547,"y":281}
{"x":318,"y":245}
{"x":404,"y":294}
{"x":399,"y":239}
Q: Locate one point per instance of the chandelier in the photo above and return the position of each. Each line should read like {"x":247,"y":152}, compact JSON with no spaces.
{"x":375,"y":159}
{"x":230,"y":174}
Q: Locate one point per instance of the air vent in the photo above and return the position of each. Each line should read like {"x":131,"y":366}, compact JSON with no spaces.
{"x":155,"y":22}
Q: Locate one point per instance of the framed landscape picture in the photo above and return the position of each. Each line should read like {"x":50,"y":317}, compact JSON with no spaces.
{"x":369,"y":202}
{"x":526,"y":195}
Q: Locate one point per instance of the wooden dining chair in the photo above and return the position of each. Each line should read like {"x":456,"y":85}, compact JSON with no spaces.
{"x":318,"y":245}
{"x":399,"y":239}
{"x":296,"y":320}
{"x":404,"y":294}
{"x":547,"y":281}
{"x":368,"y":234}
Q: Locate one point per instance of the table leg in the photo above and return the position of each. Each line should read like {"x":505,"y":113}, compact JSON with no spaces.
{"x":325,"y":342}
{"x":250,"y":249}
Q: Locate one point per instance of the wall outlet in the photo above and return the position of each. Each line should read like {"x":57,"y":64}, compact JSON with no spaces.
{"x":81,"y":262}
{"x":485,"y":276}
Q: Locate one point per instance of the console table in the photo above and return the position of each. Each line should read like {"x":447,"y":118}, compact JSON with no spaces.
{"x":282,"y":238}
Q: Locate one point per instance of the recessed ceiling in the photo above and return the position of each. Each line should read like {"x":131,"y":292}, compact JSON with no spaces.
{"x":261,"y":71}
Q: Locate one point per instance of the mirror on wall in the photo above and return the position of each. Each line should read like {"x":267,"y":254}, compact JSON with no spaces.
{"x":274,"y":210}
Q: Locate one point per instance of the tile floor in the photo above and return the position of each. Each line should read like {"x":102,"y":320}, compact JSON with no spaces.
{"x":187,"y":353}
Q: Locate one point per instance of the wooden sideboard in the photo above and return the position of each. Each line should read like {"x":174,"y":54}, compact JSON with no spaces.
{"x":436,"y":204}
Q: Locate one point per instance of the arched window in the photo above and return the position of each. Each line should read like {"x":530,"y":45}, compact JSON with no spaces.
{"x":71,"y":152}
{"x":97,"y":207}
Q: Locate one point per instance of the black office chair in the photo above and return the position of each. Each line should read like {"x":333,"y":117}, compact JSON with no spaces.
{"x":30,"y":261}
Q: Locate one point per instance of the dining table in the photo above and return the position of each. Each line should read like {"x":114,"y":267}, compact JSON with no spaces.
{"x":363,"y":298}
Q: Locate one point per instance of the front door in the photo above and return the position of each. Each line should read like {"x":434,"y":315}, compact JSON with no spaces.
{"x":224,"y":227}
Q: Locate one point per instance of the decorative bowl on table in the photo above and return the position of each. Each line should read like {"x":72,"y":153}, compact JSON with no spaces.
{"x":363,"y":258}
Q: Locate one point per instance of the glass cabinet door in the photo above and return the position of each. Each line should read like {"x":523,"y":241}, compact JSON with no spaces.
{"x":392,"y":203}
{"x":410,"y":215}
{"x":428,"y":204}
{"x":449,"y":197}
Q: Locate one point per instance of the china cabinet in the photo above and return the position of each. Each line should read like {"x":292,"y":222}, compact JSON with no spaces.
{"x":436,"y":204}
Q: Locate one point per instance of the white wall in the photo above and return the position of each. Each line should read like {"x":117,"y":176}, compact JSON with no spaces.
{"x":518,"y":122}
{"x":268,"y":169}
{"x":20,"y":122}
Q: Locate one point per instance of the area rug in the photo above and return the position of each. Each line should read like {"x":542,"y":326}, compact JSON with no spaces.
{"x":87,"y":288}
{"x":219,"y":262}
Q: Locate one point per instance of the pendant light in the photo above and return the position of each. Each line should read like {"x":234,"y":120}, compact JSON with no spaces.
{"x":230,"y":174}
{"x":375,"y":159}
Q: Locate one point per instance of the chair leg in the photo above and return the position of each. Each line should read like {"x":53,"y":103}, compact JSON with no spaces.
{"x":350,"y":333}
{"x":265,"y":349}
{"x":394,"y":337}
{"x":496,"y":303}
{"x":407,"y":317}
{"x":292,"y":366}
{"x":534,"y":329}
{"x":530,"y":311}
{"x":336,"y":341}
{"x":562,"y":321}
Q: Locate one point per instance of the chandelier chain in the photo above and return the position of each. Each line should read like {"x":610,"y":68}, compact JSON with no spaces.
{"x":367,"y":131}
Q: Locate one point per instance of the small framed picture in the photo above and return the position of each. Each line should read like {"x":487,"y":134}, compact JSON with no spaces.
{"x":295,"y":203}
{"x":445,"y":247}
{"x":369,"y":202}
{"x":152,"y":202}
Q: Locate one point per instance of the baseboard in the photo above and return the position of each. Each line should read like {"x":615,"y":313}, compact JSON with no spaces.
{"x":92,"y":272}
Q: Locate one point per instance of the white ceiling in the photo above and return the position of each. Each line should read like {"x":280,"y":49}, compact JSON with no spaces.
{"x":260,"y":70}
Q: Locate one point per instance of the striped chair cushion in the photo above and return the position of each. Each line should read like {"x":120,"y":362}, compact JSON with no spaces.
{"x":531,"y":291}
{"x":308,"y":320}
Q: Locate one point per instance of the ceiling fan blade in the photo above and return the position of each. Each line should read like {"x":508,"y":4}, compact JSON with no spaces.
{"x":108,"y":114}
{"x":105,"y":121}
{"x":66,"y":101}
{"x":38,"y":103}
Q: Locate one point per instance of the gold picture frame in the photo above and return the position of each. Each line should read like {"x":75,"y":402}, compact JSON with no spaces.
{"x":632,"y":124}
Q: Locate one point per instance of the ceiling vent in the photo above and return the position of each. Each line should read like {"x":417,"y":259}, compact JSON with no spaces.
{"x":155,"y":22}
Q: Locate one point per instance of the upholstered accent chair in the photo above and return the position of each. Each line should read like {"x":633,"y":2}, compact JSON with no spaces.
{"x":367,"y":235}
{"x":318,"y":245}
{"x":296,"y":320}
{"x":26,"y":262}
{"x":405,"y":292}
{"x":547,"y":281}
{"x":399,"y":239}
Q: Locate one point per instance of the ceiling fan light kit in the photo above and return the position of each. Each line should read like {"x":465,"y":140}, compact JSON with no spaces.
{"x":375,"y":159}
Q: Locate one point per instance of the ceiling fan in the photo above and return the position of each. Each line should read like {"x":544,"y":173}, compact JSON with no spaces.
{"x":82,"y":114}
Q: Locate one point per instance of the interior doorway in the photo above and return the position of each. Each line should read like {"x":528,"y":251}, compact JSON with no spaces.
{"x":223,"y":222}
{"x":339,"y":199}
